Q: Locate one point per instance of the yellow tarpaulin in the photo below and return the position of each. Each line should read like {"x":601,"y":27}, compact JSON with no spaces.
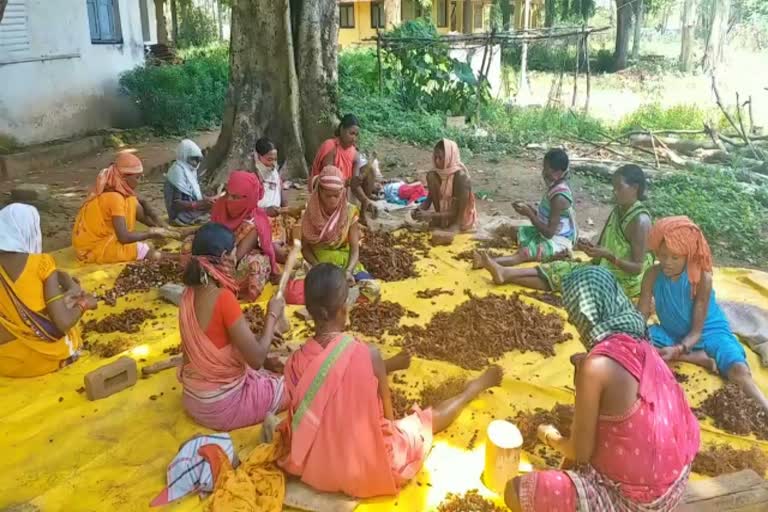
{"x":62,"y":452}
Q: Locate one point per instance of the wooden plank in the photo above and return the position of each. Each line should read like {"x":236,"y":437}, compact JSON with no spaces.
{"x":753,"y":500}
{"x":721,"y":485}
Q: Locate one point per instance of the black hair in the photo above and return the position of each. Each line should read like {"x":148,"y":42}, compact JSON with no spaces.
{"x":264,"y":146}
{"x":210,"y":240}
{"x":440,"y":146}
{"x":633,"y":176}
{"x":325,"y":291}
{"x":348,"y":121}
{"x":557,"y":159}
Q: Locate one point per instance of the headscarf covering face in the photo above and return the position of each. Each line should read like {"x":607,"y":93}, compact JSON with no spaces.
{"x":683,"y":238}
{"x":598,"y":307}
{"x":452,"y":160}
{"x":317,"y":225}
{"x":113,"y":177}
{"x":20,"y":229}
{"x":182,"y":174}
{"x":233,"y":212}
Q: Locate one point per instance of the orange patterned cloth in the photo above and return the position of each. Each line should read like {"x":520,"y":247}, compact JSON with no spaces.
{"x":684,"y":238}
{"x":317,"y":225}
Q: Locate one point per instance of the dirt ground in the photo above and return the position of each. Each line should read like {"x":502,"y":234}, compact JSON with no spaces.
{"x":499,"y":181}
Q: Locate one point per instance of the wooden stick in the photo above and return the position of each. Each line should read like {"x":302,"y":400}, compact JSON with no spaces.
{"x":653,"y":146}
{"x":589,"y":74}
{"x":165,"y":364}
{"x":744,"y":135}
{"x":290,"y":262}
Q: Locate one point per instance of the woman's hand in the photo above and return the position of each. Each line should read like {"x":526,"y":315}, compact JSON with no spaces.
{"x":670,"y":354}
{"x":523,"y":209}
{"x":548,"y":434}
{"x":350,"y":278}
{"x":276,"y":306}
{"x":273,"y":211}
{"x":597,"y":251}
{"x":274,"y":278}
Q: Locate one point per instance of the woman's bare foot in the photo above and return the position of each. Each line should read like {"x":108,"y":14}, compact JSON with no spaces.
{"x":477,"y":259}
{"x":491,"y":377}
{"x":494,"y":268}
{"x":400,"y":361}
{"x":700,"y":358}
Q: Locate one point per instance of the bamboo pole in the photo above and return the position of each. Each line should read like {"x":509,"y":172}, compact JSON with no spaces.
{"x":589,"y":73}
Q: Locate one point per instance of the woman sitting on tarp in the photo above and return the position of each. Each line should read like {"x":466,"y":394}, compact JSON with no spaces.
{"x":450,"y":191}
{"x":341,"y":428}
{"x":691,"y":327}
{"x":621,"y":248}
{"x":184,"y":200}
{"x":225,"y":386}
{"x":341,"y":152}
{"x":39,"y":305}
{"x":239,"y":211}
{"x":633,"y":436}
{"x":330,"y":231}
{"x":105,"y":227}
{"x":265,"y":160}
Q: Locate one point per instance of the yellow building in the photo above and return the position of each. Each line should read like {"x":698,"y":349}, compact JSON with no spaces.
{"x":359,"y":19}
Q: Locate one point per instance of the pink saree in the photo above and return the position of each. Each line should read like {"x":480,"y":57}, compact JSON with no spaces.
{"x":642,"y":459}
{"x":221,"y":391}
{"x":339,"y":438}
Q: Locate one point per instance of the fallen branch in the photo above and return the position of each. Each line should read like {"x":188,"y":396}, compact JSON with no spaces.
{"x":744,"y":134}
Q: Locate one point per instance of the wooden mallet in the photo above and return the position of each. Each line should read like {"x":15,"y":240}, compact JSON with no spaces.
{"x":290,"y":263}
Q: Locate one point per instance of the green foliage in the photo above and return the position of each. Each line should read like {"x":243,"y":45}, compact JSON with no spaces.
{"x":196,"y":26}
{"x":545,"y":56}
{"x":180,"y":98}
{"x":358,"y":73}
{"x":423,"y":75}
{"x":731,"y":217}
{"x":8,"y":144}
{"x":656,"y":117}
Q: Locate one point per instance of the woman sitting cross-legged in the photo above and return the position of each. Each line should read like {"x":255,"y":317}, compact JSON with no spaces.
{"x":621,"y":248}
{"x":634,"y":436}
{"x":39,"y":305}
{"x":692,"y":327}
{"x":225,"y":385}
{"x":239,"y":211}
{"x":184,"y":201}
{"x":342,"y":432}
{"x":450,"y":191}
{"x":330,"y":231}
{"x":105,"y":227}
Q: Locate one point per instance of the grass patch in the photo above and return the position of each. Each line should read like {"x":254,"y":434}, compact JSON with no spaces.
{"x":8,"y":144}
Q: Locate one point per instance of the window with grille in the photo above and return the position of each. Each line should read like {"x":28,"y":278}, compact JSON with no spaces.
{"x":347,"y":15}
{"x":442,"y":13}
{"x":104,"y":21}
{"x":377,"y":15}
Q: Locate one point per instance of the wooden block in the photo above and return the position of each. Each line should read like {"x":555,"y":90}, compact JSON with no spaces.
{"x":744,"y":491}
{"x":442,"y":237}
{"x":171,"y":292}
{"x":111,"y":378}
{"x":300,"y":496}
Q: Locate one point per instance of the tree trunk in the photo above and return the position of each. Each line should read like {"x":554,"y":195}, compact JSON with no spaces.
{"x":315,"y":54}
{"x":550,"y":8}
{"x":392,"y":13}
{"x":688,"y":27}
{"x":162,"y":25}
{"x":174,"y":22}
{"x":219,"y":19}
{"x":282,"y":83}
{"x":3,"y":4}
{"x":639,"y":18}
{"x":718,"y":31}
{"x":623,"y":24}
{"x":467,"y":17}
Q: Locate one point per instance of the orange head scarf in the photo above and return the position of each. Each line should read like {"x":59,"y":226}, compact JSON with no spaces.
{"x":683,"y":238}
{"x":452,"y":163}
{"x":113,"y":177}
{"x":317,"y":225}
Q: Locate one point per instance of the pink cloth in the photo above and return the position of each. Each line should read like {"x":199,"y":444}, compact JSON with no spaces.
{"x":411,"y":193}
{"x":343,"y":443}
{"x":220,"y":390}
{"x":344,"y":159}
{"x":233,"y":212}
{"x":317,"y":225}
{"x":645,"y":452}
{"x":142,"y":249}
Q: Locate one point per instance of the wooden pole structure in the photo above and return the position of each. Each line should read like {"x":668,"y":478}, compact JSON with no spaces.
{"x":576,"y":72}
{"x":524,"y":57}
{"x":378,"y":62}
{"x":589,"y":73}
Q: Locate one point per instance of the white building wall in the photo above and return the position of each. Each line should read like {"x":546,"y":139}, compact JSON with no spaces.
{"x":60,"y":83}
